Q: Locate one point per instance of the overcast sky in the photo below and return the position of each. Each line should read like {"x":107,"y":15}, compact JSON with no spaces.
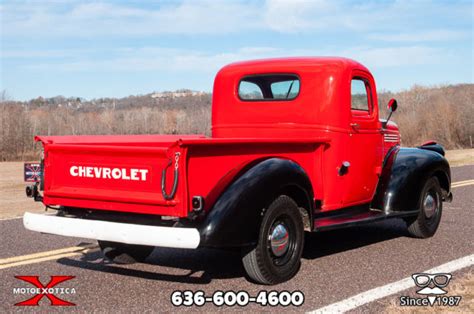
{"x":99,"y":49}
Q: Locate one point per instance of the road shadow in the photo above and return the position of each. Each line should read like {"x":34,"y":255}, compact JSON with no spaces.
{"x":201,"y":266}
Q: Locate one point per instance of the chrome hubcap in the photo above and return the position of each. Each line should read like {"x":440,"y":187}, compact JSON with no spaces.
{"x":279,"y":240}
{"x":429,"y":206}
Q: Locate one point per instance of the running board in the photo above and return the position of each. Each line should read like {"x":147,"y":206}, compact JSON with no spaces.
{"x":354,"y":217}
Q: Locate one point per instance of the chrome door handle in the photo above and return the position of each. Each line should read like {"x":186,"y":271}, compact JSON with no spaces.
{"x":355,"y":126}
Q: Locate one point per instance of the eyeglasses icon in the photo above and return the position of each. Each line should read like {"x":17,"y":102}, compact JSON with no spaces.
{"x":439,"y":280}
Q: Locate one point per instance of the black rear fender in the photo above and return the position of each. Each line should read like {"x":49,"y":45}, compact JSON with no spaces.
{"x":235,"y":218}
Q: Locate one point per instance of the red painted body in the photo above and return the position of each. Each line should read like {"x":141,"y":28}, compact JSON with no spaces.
{"x":318,"y":130}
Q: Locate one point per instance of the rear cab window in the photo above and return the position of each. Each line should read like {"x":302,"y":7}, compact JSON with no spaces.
{"x":269,"y":87}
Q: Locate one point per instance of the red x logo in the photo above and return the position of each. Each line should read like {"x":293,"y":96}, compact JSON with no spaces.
{"x":45,"y":291}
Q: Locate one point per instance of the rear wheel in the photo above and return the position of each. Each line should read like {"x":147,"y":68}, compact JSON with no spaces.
{"x":122,"y":253}
{"x":429,"y":216}
{"x":276,"y":258}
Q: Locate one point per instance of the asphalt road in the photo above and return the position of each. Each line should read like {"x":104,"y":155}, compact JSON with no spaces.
{"x":336,"y":264}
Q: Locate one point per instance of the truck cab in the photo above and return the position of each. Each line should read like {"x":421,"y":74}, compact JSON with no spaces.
{"x":297,"y":145}
{"x":330,"y":97}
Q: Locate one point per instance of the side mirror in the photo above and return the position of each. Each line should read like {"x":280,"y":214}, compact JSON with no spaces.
{"x":392,"y":107}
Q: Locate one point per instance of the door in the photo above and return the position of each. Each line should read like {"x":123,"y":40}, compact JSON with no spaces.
{"x":364,"y":151}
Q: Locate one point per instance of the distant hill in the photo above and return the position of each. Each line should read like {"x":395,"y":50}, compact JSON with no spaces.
{"x":442,"y":113}
{"x":177,"y":99}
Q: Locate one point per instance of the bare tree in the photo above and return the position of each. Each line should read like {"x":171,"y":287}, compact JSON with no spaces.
{"x":442,"y":113}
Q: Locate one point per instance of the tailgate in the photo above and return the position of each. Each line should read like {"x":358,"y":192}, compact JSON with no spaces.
{"x":123,"y":174}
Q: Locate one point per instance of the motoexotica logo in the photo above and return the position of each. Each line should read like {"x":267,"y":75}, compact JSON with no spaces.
{"x":39,"y":291}
{"x":433,"y":289}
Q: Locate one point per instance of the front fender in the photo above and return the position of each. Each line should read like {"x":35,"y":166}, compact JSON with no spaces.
{"x":403,"y":176}
{"x":235,"y":218}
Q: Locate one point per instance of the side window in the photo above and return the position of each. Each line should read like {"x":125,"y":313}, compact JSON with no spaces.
{"x":360,"y":99}
{"x":250,"y":91}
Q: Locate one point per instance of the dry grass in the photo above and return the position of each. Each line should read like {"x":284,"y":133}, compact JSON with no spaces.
{"x":12,"y":192}
{"x":460,"y":157}
{"x":462,"y":285}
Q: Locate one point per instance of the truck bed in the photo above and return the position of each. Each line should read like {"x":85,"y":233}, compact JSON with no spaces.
{"x":124,"y":173}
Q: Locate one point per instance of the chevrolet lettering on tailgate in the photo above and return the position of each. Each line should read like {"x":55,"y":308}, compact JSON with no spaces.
{"x":109,"y":173}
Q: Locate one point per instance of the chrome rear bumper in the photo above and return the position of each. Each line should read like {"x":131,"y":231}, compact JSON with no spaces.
{"x":187,"y":238}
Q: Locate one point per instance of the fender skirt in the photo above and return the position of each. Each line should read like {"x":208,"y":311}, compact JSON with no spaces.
{"x":235,"y":218}
{"x":405,"y":172}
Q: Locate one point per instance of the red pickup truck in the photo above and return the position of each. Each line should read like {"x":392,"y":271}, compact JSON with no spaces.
{"x":297,"y":144}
